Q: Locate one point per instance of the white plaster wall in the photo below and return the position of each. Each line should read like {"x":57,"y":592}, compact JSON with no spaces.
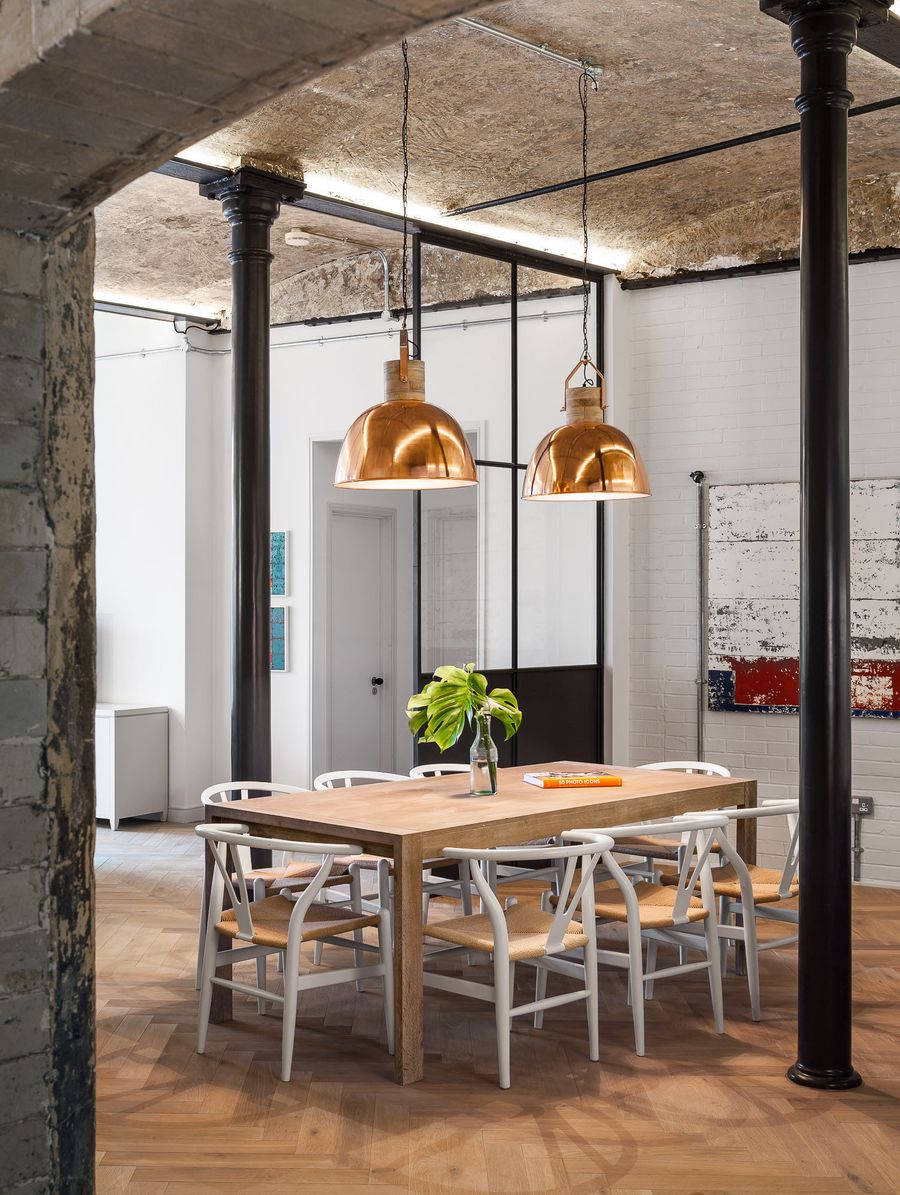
{"x":158,"y":599}
{"x":323,"y":378}
{"x":165,"y":508}
{"x":713,"y":384}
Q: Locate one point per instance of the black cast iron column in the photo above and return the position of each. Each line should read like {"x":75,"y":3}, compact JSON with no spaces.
{"x":823,"y":32}
{"x":250,"y":202}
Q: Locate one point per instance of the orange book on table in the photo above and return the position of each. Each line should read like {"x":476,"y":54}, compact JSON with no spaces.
{"x":572,"y":779}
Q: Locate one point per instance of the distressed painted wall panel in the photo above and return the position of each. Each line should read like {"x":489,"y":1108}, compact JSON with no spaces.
{"x":754,"y":627}
{"x":747,"y":513}
{"x":875,"y":509}
{"x":735,"y":568}
{"x":754,"y":597}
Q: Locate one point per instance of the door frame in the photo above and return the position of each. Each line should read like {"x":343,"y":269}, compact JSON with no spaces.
{"x":320,"y":720}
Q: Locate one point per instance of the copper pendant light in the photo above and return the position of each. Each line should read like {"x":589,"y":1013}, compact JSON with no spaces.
{"x":405,"y":443}
{"x":586,"y":458}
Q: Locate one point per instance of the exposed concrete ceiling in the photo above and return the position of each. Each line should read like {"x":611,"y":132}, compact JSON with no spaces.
{"x":489,"y":117}
{"x":162,"y":244}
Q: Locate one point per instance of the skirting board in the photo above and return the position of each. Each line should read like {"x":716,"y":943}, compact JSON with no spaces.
{"x":185,"y":817}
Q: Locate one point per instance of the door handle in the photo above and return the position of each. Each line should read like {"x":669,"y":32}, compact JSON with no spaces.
{"x":376,"y":682}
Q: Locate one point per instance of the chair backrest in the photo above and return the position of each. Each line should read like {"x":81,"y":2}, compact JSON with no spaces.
{"x":351,"y":777}
{"x":228,"y":843}
{"x":240,"y":790}
{"x":790,"y":810}
{"x":585,"y":854}
{"x":696,"y":831}
{"x":690,"y":766}
{"x":437,"y":769}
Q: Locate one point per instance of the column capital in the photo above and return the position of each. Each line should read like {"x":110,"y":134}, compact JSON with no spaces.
{"x":825,"y":13}
{"x":250,"y":194}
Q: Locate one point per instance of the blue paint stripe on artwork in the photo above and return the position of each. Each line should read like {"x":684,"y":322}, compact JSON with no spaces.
{"x":277,"y":640}
{"x":721,"y":699}
{"x":277,"y":563}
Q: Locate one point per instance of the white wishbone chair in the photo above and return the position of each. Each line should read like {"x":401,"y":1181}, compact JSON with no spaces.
{"x":662,"y":912}
{"x":437,"y":885}
{"x":346,"y":779}
{"x":368,"y":863}
{"x":437,"y":769}
{"x":655,"y":849}
{"x":280,"y":925}
{"x":508,"y":873}
{"x":526,"y":934}
{"x":747,"y":891}
{"x":258,"y":879}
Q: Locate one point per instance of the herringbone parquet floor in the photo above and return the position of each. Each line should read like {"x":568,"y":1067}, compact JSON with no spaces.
{"x":700,"y":1114}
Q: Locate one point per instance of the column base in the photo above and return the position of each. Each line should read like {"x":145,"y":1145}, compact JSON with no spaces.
{"x":831,"y":1080}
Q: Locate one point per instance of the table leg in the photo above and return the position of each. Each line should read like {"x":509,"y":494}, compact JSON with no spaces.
{"x":221,"y":1008}
{"x":408,"y":1060}
{"x":746,"y":848}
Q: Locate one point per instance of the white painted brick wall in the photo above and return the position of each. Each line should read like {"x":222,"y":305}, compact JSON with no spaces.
{"x":714,"y":385}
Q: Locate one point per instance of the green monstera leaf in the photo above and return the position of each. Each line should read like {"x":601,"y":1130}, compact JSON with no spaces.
{"x":455,"y":697}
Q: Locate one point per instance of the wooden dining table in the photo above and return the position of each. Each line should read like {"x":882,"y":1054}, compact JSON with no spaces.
{"x":411,"y":820}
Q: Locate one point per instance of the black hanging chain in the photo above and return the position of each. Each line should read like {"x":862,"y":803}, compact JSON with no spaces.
{"x":404,"y":140}
{"x":585,"y":81}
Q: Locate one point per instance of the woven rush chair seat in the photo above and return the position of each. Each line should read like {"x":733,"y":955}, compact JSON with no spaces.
{"x":523,"y":864}
{"x":302,"y":869}
{"x":526,"y":925}
{"x":765,"y":881}
{"x":655,"y":904}
{"x":649,"y":847}
{"x":370,"y":862}
{"x":272,"y":915}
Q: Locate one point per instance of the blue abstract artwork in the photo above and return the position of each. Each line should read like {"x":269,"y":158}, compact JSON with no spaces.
{"x":278,"y":652}
{"x":278,"y":563}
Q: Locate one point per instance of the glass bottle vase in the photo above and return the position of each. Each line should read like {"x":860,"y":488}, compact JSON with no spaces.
{"x":483,"y":760}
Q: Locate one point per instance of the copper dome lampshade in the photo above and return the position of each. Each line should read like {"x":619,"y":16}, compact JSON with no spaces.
{"x":405,"y":443}
{"x":585,"y":458}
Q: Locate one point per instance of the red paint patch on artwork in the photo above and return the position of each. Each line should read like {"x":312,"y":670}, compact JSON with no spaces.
{"x":875,"y":684}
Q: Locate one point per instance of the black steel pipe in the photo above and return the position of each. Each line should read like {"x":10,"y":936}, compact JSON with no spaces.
{"x":514,"y":479}
{"x":600,"y":582}
{"x":681,"y":155}
{"x":416,"y":279}
{"x":822,"y":36}
{"x":250,"y":202}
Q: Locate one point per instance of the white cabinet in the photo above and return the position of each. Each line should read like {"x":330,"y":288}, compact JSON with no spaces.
{"x":132,"y":744}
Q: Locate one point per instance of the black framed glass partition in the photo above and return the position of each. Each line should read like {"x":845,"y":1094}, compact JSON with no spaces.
{"x":514,"y":586}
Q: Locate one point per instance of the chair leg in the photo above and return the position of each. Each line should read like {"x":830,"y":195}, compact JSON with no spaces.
{"x":592,"y":983}
{"x":359,"y":956}
{"x":715,"y":973}
{"x":724,"y":920}
{"x":261,"y":982}
{"x":540,"y":993}
{"x":465,"y":889}
{"x":636,"y":985}
{"x":289,"y":1024}
{"x":201,"y":936}
{"x":504,"y":973}
{"x":206,"y":989}
{"x":751,"y":955}
{"x":682,"y":950}
{"x":652,"y":946}
{"x":386,"y":949}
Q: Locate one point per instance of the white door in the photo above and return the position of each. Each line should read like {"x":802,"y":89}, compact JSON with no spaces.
{"x":360,"y":665}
